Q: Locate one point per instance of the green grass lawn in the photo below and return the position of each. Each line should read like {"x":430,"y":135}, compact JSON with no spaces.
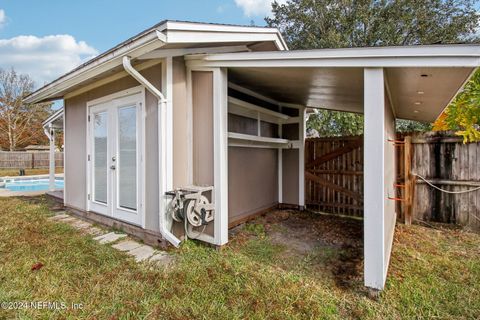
{"x":433,"y":274}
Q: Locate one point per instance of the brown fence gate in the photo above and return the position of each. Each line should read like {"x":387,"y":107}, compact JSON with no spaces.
{"x":334,"y":175}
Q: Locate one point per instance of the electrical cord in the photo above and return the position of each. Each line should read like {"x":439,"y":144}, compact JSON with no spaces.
{"x":443,"y":190}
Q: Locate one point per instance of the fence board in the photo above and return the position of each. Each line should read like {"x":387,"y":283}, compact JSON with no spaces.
{"x":334,"y":175}
{"x":441,"y":157}
{"x":28,"y":160}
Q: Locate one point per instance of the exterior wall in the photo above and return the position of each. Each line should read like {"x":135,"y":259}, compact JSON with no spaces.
{"x":180,"y":124}
{"x":290,"y":176}
{"x":252,"y":181}
{"x":75,"y":144}
{"x":390,"y":215}
{"x":202,"y":101}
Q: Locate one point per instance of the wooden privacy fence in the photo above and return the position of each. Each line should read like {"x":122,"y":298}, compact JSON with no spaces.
{"x":28,"y":160}
{"x":443,"y":160}
{"x":334,"y":175}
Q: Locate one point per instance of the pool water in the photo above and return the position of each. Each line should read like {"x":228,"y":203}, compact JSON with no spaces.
{"x":31,"y":184}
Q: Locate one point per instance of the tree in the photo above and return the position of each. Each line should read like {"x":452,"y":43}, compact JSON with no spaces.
{"x":335,"y":123}
{"x":463,"y":114}
{"x":20,"y":124}
{"x":313,"y":24}
{"x":308,"y":24}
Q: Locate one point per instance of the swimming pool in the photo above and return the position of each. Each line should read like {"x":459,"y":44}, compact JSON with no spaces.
{"x":31,"y":184}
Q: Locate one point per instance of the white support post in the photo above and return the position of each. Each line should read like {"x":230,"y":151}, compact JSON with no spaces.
{"x":51,"y":171}
{"x":301,"y":158}
{"x":374,"y":178}
{"x":280,"y":166}
{"x":220,"y":154}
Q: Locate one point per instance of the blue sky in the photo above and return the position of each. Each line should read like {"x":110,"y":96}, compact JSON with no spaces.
{"x":48,"y":38}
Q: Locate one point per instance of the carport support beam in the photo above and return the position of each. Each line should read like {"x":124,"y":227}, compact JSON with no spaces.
{"x":374,"y":181}
{"x":301,"y":157}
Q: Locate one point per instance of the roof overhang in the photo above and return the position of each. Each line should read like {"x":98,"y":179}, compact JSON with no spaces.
{"x":55,"y":120}
{"x":174,"y":36}
{"x":420,"y":80}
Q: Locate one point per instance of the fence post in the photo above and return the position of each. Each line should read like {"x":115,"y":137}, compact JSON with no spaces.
{"x":408,"y":180}
{"x":33,"y":160}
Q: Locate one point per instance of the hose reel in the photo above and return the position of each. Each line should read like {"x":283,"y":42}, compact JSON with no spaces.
{"x":190,"y":206}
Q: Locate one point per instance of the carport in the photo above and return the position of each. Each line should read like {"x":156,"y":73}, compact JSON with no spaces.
{"x":384,"y":84}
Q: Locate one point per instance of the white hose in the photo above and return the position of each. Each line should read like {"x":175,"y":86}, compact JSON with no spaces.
{"x":443,"y":190}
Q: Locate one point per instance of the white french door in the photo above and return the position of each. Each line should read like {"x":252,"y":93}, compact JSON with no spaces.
{"x":115,"y":140}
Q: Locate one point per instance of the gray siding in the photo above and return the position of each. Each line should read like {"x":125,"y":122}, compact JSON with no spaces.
{"x":75,"y":144}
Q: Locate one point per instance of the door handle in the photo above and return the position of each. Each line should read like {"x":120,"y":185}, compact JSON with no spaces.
{"x":112,"y":167}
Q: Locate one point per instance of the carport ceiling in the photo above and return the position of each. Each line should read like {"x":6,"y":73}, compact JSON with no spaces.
{"x":416,"y":93}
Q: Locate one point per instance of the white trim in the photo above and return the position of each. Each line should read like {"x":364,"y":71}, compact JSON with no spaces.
{"x":167,"y":88}
{"x":220,"y":155}
{"x":169,"y":32}
{"x":280,"y":166}
{"x":301,"y":158}
{"x":137,"y":216}
{"x":55,"y":116}
{"x":181,"y":36}
{"x":64,"y":156}
{"x":249,"y":137}
{"x":189,"y":126}
{"x":116,"y":95}
{"x":374,"y":181}
{"x":145,"y":43}
{"x":163,"y":53}
{"x":136,"y":94}
{"x":201,"y":26}
{"x":414,"y":56}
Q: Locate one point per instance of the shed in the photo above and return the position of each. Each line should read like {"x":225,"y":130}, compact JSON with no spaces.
{"x":187,"y":109}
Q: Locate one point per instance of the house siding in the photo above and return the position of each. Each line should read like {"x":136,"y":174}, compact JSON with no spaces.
{"x":75,"y":143}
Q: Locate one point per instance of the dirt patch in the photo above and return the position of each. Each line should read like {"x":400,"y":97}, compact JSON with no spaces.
{"x":336,"y":242}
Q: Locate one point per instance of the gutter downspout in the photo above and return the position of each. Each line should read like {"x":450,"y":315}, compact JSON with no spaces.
{"x":169,"y":236}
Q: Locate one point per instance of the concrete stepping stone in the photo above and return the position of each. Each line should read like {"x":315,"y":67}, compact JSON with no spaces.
{"x":109,"y":237}
{"x":127,"y":245}
{"x":142,"y":253}
{"x":59,"y":217}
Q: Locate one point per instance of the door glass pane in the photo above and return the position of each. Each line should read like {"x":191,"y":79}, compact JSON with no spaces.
{"x":100,"y":157}
{"x":127,"y":154}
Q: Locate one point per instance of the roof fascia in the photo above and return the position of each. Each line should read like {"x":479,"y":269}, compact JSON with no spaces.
{"x":422,"y":56}
{"x":149,"y":41}
{"x":208,"y":27}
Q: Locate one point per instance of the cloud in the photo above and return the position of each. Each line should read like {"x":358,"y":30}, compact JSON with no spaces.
{"x":44,"y":58}
{"x":3,"y":17}
{"x":253,"y":8}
